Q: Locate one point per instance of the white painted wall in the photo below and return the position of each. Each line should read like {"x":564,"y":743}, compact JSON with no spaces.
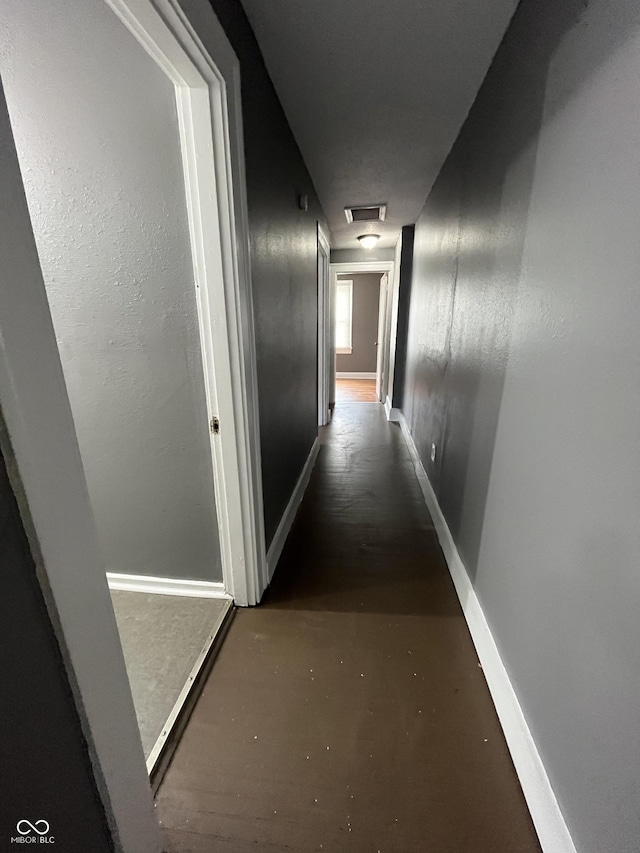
{"x":96,"y":132}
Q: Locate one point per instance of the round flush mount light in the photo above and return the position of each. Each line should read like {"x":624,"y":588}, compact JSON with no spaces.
{"x":369,"y":241}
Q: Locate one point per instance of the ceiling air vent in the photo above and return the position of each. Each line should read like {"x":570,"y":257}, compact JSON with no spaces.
{"x":371,"y":213}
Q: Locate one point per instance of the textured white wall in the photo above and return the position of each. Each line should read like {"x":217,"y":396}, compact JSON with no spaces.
{"x":96,"y":131}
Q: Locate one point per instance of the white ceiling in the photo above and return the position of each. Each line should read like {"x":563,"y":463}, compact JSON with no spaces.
{"x":375,"y":92}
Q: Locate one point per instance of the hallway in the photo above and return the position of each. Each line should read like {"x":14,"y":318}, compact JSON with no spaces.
{"x":349,"y":711}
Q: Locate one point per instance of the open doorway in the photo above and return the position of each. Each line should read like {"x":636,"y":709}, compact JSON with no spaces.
{"x":362,"y":300}
{"x":125,"y":170}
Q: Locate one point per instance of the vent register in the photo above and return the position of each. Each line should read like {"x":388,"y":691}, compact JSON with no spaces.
{"x":371,"y":213}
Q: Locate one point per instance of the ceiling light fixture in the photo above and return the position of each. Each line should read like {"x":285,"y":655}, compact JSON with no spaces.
{"x":369,"y":241}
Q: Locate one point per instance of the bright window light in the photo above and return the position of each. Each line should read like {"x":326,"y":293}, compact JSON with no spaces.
{"x":344,"y":318}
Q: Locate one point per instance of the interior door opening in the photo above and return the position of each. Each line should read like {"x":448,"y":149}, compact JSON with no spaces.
{"x":359,"y":329}
{"x":97,"y":129}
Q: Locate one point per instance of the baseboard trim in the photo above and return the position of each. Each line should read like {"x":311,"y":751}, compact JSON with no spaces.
{"x":348,"y":375}
{"x":550,"y":825}
{"x":391,"y":413}
{"x":275,"y":549}
{"x":166,"y":586}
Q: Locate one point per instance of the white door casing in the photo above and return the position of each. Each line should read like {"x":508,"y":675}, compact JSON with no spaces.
{"x":388,"y":343}
{"x":324,"y":327}
{"x":381,"y":342}
{"x":218,"y":225}
{"x":332,"y":340}
{"x":46,"y":472}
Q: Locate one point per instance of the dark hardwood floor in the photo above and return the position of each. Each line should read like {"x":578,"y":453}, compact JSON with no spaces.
{"x":349,"y":711}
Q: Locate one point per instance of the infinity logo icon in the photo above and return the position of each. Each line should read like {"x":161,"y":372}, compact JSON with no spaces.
{"x":41,"y":827}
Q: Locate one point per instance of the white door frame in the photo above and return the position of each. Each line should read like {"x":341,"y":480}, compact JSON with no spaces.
{"x":45,"y":468}
{"x":381,"y":336}
{"x":40,"y":441}
{"x":211,"y":139}
{"x":389,"y":342}
{"x":324,"y":328}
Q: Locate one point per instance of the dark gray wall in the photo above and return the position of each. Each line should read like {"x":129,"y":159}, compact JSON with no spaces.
{"x":404,"y":302}
{"x":366,"y":302}
{"x":284,"y":273}
{"x":46,"y":771}
{"x":523,"y":363}
{"x":102,"y":170}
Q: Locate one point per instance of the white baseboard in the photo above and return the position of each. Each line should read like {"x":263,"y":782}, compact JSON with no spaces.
{"x":166,"y":586}
{"x":275,"y":549}
{"x":391,"y":413}
{"x":546,"y":815}
{"x":355,"y":375}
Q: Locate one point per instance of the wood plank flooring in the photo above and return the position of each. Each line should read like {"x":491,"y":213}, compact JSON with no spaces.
{"x":349,"y":711}
{"x":356,"y":391}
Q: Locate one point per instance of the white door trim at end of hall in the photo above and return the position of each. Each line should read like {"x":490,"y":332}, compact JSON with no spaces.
{"x":210,"y":122}
{"x":388,"y":343}
{"x":324,"y":328}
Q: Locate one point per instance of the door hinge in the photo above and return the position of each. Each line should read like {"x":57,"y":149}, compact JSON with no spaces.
{"x":214,"y":425}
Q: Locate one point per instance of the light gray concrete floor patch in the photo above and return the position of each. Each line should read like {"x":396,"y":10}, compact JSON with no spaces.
{"x":162,"y":636}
